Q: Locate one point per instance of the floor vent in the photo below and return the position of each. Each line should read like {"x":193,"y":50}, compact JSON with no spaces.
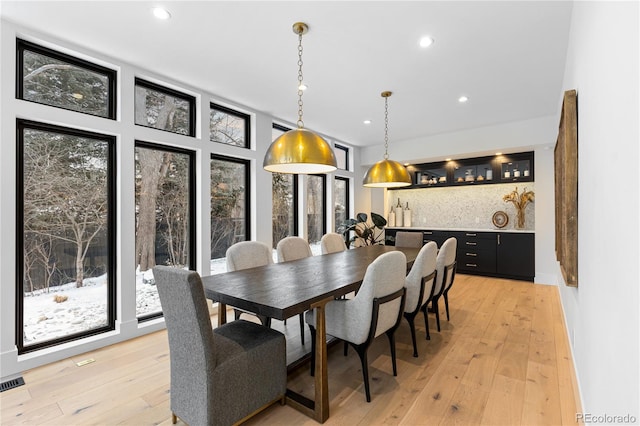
{"x":10,"y":384}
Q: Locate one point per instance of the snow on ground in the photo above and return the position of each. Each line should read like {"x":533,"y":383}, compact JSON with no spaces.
{"x":85,"y":308}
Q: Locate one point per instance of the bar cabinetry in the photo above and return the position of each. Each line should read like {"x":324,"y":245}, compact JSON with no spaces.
{"x":495,"y":254}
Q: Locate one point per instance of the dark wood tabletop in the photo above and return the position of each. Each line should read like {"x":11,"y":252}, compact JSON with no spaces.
{"x":282,"y":290}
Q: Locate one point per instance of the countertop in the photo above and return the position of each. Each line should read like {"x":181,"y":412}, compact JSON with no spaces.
{"x":424,"y":228}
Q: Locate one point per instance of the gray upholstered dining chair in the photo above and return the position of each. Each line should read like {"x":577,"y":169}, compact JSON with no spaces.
{"x":446,"y":272}
{"x":332,"y":243}
{"x":218,"y":376}
{"x":245,"y":255}
{"x":294,"y":248}
{"x":376,"y":308}
{"x":420,"y":288}
{"x":408,"y":239}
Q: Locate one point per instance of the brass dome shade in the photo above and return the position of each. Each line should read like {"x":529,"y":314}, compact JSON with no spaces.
{"x":386,"y":173}
{"x":300,"y":150}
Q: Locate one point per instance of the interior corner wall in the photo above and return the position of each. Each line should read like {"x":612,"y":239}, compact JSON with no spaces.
{"x":602,"y":313}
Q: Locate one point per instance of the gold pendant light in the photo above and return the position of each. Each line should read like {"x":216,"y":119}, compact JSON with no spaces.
{"x":300,"y":150}
{"x":386,"y":173}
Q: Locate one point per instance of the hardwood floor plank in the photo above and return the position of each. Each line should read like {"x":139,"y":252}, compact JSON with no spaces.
{"x":502,"y":359}
{"x":505,"y":401}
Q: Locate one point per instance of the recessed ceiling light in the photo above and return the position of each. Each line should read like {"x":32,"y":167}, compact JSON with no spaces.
{"x":367,"y":121}
{"x":426,"y":41}
{"x":161,"y":13}
{"x":463,"y":99}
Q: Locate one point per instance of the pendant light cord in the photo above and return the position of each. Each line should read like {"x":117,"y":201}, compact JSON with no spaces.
{"x":300,"y":122}
{"x":386,"y":127}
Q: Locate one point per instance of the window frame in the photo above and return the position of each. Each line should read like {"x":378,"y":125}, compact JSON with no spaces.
{"x":346,"y":180}
{"x":21,"y":126}
{"x":22,"y":45}
{"x":235,"y":113}
{"x":247,"y":191}
{"x":324,"y":204}
{"x":295,"y":203}
{"x":193,"y":255}
{"x":345,"y":149}
{"x":141,"y":82}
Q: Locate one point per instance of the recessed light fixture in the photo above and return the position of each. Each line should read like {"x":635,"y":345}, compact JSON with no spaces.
{"x":426,"y":41}
{"x":161,"y":13}
{"x":462,"y":99}
{"x":367,"y":121}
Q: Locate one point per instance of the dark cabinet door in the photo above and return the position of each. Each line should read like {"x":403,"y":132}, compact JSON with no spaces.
{"x":516,"y":255}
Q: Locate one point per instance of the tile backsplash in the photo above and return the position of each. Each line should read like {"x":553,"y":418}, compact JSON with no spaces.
{"x":469,"y":207}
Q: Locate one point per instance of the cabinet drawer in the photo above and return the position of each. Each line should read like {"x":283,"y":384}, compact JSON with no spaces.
{"x":469,"y":243}
{"x":470,"y":260}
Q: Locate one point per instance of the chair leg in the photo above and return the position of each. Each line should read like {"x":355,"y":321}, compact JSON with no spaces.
{"x":362,"y":352}
{"x":446,"y":304}
{"x":426,"y":321}
{"x":392,"y":344}
{"x":174,"y":418}
{"x":346,"y":348}
{"x":236,"y":314}
{"x":434,"y":304}
{"x":410,"y":319}
{"x":266,"y":321}
{"x":312,"y":330}
{"x":301,"y":328}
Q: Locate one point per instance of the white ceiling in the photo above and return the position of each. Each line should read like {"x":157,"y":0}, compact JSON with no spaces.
{"x":508,"y":57}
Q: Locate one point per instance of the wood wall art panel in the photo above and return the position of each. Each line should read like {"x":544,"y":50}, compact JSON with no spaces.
{"x":566,"y":189}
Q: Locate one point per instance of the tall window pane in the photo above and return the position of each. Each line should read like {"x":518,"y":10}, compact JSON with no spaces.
{"x":316,"y":207}
{"x":53,"y":78}
{"x":228,"y":126}
{"x":165,"y":109}
{"x":66,"y":229}
{"x":285,"y":199}
{"x":165,"y":209}
{"x":229,"y":207}
{"x":342,"y":156}
{"x":340,"y":201}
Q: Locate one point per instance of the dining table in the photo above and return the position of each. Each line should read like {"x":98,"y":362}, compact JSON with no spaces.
{"x":283,"y":290}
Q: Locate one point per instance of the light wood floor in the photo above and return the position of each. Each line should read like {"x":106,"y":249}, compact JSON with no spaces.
{"x":503,"y":359}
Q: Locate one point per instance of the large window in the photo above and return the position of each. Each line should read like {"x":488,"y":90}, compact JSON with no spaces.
{"x":229,"y":207}
{"x":65,"y":220}
{"x":165,"y":217}
{"x":340,"y":201}
{"x":229,"y":127}
{"x":165,"y":109}
{"x":285,"y":199}
{"x":53,"y":78}
{"x":316,"y":207}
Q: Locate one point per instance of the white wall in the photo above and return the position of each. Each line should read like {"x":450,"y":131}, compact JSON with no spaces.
{"x":602,"y":313}
{"x":127,"y":326}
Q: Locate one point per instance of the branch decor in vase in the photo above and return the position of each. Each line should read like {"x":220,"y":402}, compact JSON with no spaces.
{"x":520,"y":201}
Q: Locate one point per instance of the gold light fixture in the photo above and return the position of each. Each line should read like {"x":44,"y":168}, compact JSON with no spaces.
{"x":300,"y":150}
{"x":386,"y":173}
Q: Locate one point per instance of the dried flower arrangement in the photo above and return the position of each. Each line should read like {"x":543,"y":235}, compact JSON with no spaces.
{"x":520,"y":201}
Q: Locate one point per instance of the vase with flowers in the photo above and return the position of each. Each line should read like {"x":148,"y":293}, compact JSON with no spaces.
{"x":520,"y":201}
